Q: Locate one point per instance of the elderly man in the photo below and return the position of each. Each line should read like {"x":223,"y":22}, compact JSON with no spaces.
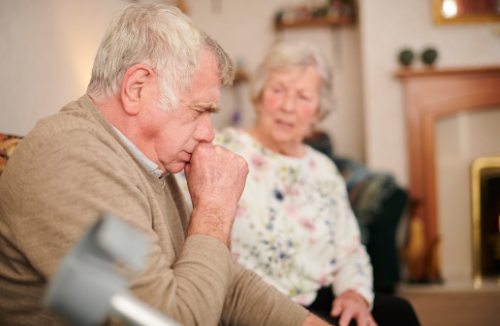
{"x":146,"y":114}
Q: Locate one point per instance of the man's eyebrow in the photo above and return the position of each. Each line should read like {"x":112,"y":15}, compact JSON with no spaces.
{"x":207,"y":106}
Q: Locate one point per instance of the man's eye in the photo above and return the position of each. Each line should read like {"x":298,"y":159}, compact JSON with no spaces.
{"x":196,"y":113}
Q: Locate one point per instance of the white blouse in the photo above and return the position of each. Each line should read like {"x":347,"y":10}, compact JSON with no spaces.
{"x":294,"y":225}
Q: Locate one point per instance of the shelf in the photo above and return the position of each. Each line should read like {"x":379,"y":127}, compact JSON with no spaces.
{"x":316,"y":22}
{"x":403,"y":73}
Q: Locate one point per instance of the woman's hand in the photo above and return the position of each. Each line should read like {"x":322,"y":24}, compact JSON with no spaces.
{"x":350,"y":305}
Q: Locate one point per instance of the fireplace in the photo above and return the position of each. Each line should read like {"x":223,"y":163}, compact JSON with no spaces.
{"x":431,"y":96}
{"x":485,"y":177}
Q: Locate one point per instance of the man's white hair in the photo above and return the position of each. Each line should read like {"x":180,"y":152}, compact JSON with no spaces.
{"x":289,"y":54}
{"x":162,"y":37}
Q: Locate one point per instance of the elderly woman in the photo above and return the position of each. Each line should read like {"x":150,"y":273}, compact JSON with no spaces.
{"x":294,"y":224}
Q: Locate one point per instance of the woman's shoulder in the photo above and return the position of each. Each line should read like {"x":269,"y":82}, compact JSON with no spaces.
{"x":322,"y":162}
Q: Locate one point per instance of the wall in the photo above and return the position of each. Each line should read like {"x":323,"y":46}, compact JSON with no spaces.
{"x":386,"y":27}
{"x":47,"y":50}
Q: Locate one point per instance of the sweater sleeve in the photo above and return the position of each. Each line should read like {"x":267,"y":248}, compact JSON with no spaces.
{"x":353,"y":267}
{"x":65,"y":190}
{"x":250,"y":301}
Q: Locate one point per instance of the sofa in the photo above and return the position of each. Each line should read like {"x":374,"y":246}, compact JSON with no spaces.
{"x":8,"y":144}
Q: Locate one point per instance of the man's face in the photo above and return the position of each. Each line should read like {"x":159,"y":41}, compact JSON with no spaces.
{"x":176,"y":134}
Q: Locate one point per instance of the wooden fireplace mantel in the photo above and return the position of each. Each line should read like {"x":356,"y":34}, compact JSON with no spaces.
{"x":413,"y":73}
{"x":431,"y":94}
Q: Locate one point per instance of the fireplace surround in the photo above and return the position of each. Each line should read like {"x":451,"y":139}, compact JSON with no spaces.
{"x":429,"y":96}
{"x":485,"y":186}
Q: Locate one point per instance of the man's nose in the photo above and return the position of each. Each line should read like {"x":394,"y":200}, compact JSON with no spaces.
{"x":204,"y":132}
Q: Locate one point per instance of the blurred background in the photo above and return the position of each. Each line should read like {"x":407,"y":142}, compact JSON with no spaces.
{"x":422,"y":119}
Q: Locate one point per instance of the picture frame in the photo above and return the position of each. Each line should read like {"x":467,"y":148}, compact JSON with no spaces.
{"x":472,"y":18}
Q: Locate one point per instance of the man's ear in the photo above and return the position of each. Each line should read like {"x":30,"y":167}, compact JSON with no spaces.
{"x":134,"y":88}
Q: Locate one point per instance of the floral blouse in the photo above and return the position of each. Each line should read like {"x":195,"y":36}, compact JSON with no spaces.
{"x":294,"y":225}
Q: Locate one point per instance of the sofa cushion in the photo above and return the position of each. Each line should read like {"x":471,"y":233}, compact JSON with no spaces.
{"x":7,"y":145}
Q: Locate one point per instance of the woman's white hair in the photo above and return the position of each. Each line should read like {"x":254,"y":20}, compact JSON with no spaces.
{"x":289,"y":54}
{"x":162,"y":37}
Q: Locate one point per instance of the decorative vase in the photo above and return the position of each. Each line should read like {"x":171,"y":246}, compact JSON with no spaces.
{"x":429,"y":56}
{"x":406,"y":57}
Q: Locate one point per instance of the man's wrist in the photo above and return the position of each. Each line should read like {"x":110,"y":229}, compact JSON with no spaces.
{"x":210,"y":222}
{"x":313,"y":320}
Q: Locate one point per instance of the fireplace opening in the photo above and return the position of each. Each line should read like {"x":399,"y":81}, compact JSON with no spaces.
{"x":485,"y":174}
{"x":490,"y":222}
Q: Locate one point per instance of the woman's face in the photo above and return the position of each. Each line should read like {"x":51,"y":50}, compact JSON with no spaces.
{"x":289,"y":104}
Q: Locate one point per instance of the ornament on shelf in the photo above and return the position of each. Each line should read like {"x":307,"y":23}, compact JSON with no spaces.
{"x":316,"y":13}
{"x":406,"y":57}
{"x":429,"y":56}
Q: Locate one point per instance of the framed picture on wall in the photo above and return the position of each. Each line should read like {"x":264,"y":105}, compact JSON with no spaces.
{"x":465,"y":11}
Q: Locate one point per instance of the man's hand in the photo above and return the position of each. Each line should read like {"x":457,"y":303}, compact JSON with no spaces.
{"x":350,"y":305}
{"x":312,"y":320}
{"x":216,"y":179}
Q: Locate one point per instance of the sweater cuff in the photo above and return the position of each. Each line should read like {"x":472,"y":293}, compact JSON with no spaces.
{"x":368,"y":295}
{"x":365,"y":293}
{"x":293,"y":313}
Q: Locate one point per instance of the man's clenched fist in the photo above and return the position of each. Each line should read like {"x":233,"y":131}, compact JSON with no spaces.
{"x":216,"y":179}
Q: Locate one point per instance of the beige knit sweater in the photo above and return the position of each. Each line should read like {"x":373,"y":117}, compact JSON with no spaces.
{"x":72,"y":167}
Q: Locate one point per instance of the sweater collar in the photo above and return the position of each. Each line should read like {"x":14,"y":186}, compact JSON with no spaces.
{"x":150,"y":165}
{"x":87,"y":102}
